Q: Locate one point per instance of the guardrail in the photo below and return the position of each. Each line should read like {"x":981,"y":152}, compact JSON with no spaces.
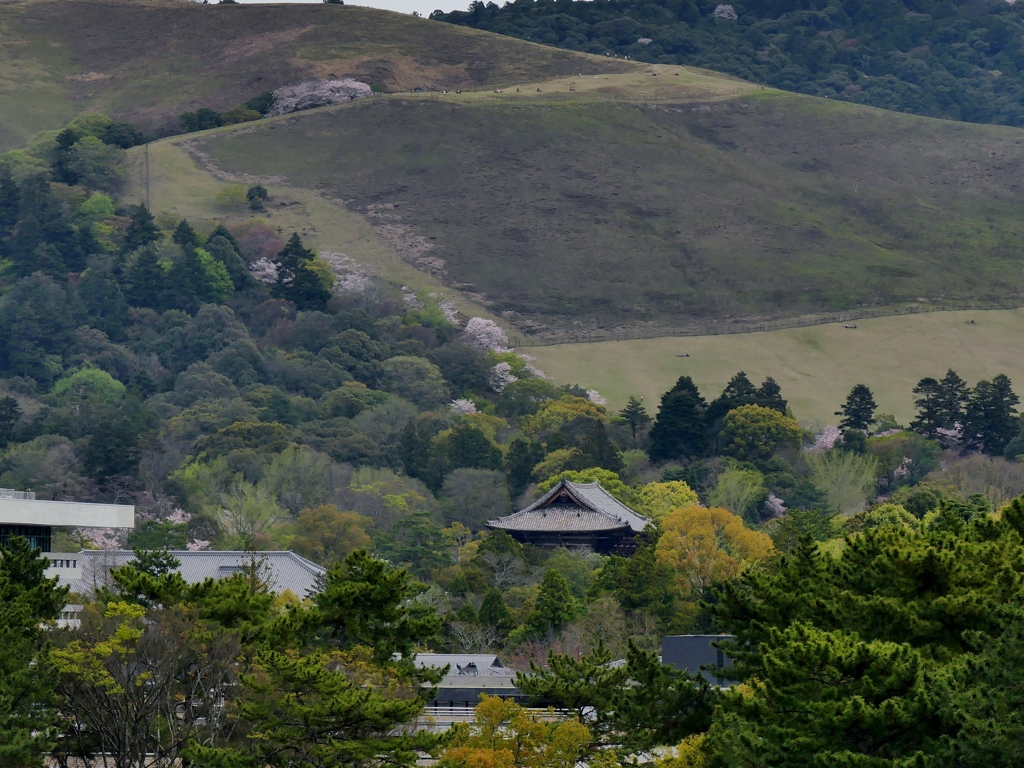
{"x":721,"y":329}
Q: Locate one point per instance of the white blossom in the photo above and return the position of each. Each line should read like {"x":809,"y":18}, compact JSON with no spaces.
{"x":264,"y":270}
{"x":775,"y":506}
{"x":645,"y":41}
{"x":486,"y":334}
{"x":902,"y":472}
{"x":463,"y":406}
{"x":197,"y":545}
{"x":317,"y":93}
{"x":726,"y":12}
{"x":412,"y":301}
{"x":350,"y":276}
{"x":596,"y":397}
{"x":827,"y":439}
{"x":502,"y":376}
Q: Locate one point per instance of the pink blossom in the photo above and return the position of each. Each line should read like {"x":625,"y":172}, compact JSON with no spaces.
{"x":827,"y":439}
{"x":902,"y":472}
{"x":463,"y":406}
{"x":179,"y":516}
{"x":596,"y":397}
{"x":486,"y":334}
{"x":264,"y":270}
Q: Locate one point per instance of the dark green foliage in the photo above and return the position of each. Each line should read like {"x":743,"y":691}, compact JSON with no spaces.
{"x":858,"y":411}
{"x":26,"y":676}
{"x":10,"y":413}
{"x":493,"y":610}
{"x":142,"y":230}
{"x":597,"y":450}
{"x":261,"y":103}
{"x":295,"y":282}
{"x":908,"y":57}
{"x":929,"y":417}
{"x":641,"y":583}
{"x":679,"y":430}
{"x":522,"y":457}
{"x":739,"y":391}
{"x":951,"y":399}
{"x":554,"y":608}
{"x":37,"y":319}
{"x":42,"y":237}
{"x":124,"y":135}
{"x":470,"y":449}
{"x":466,"y":368}
{"x":990,"y":418}
{"x":525,"y":396}
{"x":640,"y":705}
{"x":635,"y":415}
{"x":185,"y":236}
{"x":103,"y":300}
{"x":158,"y":534}
{"x":201,"y":120}
{"x":146,"y":280}
{"x":368,"y":602}
{"x":223,"y":251}
{"x":256,"y":191}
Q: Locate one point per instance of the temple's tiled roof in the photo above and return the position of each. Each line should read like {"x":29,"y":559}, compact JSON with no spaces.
{"x":573,"y":507}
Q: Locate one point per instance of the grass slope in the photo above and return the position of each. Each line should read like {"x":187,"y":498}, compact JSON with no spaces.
{"x":604,"y":211}
{"x":149,"y":60}
{"x":816,"y":366}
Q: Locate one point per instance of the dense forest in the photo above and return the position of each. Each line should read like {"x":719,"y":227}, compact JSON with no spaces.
{"x":957,"y":60}
{"x":246,"y":393}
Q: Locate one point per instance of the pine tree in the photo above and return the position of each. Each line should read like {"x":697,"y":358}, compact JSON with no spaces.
{"x":522,"y":457}
{"x":222,"y":250}
{"x":295,"y":282}
{"x":27,"y":599}
{"x":142,"y":231}
{"x":185,"y":236}
{"x":929,"y":415}
{"x":679,"y":430}
{"x":10,"y":414}
{"x":769,"y":395}
{"x":859,"y":410}
{"x":493,"y":610}
{"x":739,"y":391}
{"x":555,"y":606}
{"x":599,"y":451}
{"x":146,"y":280}
{"x":635,"y":415}
{"x":951,"y":399}
{"x":10,"y":203}
{"x":990,"y":421}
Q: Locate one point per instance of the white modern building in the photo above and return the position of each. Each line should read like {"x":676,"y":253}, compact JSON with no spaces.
{"x":22,"y":514}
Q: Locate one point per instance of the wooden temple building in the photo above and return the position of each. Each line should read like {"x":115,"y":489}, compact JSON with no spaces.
{"x":576,"y":515}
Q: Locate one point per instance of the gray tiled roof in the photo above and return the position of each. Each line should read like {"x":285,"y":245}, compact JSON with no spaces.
{"x":593,"y":509}
{"x":285,"y":570}
{"x":486,"y":663}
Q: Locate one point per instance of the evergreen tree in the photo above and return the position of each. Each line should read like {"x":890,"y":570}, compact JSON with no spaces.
{"x":951,"y":399}
{"x":10,"y":414}
{"x":10,"y":202}
{"x":739,"y":391}
{"x":186,"y":237}
{"x":27,"y":599}
{"x":493,"y":610}
{"x":635,"y":415}
{"x":990,"y":421}
{"x":599,"y":451}
{"x":103,"y":300}
{"x":554,"y":608}
{"x":146,"y":280}
{"x":769,"y":395}
{"x":929,"y":416}
{"x":523,"y":456}
{"x":62,"y":157}
{"x":221,"y":231}
{"x":142,"y":231}
{"x":222,"y":250}
{"x":678,"y":431}
{"x":859,"y":410}
{"x":295,"y":281}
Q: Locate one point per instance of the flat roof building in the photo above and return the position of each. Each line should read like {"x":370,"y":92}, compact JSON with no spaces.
{"x":22,"y":514}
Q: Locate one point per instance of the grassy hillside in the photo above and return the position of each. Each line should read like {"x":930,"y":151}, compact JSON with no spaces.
{"x":962,"y":59}
{"x":147,"y":61}
{"x":815,"y":366}
{"x":603,"y":212}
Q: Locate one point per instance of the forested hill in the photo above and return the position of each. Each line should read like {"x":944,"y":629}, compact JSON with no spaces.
{"x":961,"y":59}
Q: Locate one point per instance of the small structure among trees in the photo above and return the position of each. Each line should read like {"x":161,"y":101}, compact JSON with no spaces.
{"x":576,"y":515}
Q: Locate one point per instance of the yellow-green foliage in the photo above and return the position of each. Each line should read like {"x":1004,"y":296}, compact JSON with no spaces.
{"x":609,"y":480}
{"x":753,"y":432}
{"x":655,"y":500}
